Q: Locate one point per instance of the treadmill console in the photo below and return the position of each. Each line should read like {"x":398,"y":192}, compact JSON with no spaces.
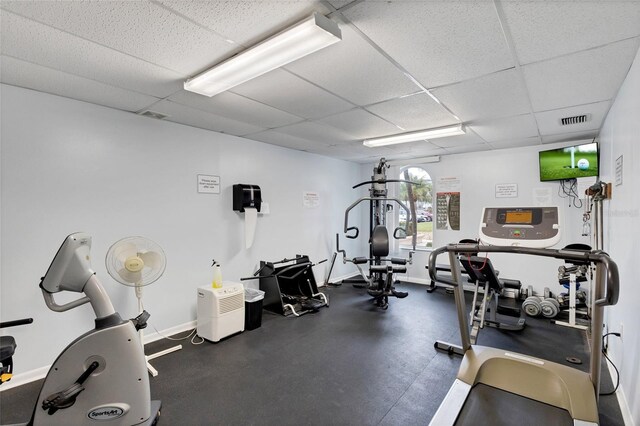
{"x":536,"y":227}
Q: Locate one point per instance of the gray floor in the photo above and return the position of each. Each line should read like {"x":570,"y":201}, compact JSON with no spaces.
{"x":350,"y":364}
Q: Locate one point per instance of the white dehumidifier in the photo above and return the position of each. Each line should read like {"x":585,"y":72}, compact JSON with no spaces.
{"x":220,"y":311}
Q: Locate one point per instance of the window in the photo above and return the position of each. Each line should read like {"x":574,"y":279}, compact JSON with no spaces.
{"x":419,"y":199}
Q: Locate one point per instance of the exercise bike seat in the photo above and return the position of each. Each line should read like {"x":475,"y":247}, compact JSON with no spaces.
{"x":7,"y":347}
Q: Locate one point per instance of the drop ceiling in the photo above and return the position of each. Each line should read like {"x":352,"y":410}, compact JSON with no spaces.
{"x":509,"y":70}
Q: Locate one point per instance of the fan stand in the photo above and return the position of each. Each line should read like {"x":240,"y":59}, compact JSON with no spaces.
{"x":150,"y":367}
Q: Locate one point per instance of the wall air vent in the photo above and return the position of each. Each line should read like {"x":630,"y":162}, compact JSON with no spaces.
{"x":152,"y":114}
{"x":576,"y":119}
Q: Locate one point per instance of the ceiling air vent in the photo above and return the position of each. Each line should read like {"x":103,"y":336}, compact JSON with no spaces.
{"x":576,"y":119}
{"x":152,"y":114}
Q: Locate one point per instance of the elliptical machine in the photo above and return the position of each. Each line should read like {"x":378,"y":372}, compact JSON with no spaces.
{"x":102,"y":375}
{"x":379,"y":282}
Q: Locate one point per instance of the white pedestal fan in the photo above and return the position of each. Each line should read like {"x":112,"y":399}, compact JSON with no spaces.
{"x":137,"y":262}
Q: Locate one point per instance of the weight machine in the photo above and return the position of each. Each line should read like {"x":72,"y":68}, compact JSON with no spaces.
{"x":379,"y":280}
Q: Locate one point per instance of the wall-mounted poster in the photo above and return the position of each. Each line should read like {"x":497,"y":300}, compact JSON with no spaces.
{"x":448,"y":203}
{"x":448,"y":210}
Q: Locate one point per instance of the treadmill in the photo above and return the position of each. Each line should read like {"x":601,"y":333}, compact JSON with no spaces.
{"x":500,"y":387}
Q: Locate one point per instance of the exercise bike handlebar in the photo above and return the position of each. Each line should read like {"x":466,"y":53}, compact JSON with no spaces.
{"x":610,"y":273}
{"x":16,"y":323}
{"x":347,"y":228}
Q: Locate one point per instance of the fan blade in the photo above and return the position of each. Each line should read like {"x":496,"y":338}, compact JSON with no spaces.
{"x":125,"y":250}
{"x":151,"y":259}
{"x":130,"y":277}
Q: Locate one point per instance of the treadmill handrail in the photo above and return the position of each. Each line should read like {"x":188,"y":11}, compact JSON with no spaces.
{"x":599,"y":257}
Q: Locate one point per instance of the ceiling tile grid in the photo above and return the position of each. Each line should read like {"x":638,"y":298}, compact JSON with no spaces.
{"x":492,"y":96}
{"x":197,"y":118}
{"x":230,"y":105}
{"x":571,"y":137}
{"x":138,"y":28}
{"x":549,"y":121}
{"x":516,"y":127}
{"x":516,"y":143}
{"x":414,"y":112}
{"x":245,"y":22}
{"x":287,"y":92}
{"x":316,"y":132}
{"x":361,"y":124}
{"x":588,"y":76}
{"x":438,"y":42}
{"x":25,"y":74}
{"x":40,"y":44}
{"x":568,"y":58}
{"x":355,"y":70}
{"x":543,"y":30}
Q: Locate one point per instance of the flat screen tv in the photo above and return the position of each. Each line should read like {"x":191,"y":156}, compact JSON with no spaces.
{"x":569,"y":163}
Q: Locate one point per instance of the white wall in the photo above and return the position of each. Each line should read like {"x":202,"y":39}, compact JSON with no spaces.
{"x":479,"y":172}
{"x":620,"y":136}
{"x":72,"y":166}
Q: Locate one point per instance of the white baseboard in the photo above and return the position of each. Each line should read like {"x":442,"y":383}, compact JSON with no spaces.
{"x":155,"y":336}
{"x":622,"y":400}
{"x":40,"y":373}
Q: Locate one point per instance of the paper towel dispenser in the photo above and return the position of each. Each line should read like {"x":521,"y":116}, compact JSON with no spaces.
{"x":246,"y":196}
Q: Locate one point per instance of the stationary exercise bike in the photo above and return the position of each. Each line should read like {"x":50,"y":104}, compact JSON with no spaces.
{"x":102,"y":375}
{"x":379,"y":282}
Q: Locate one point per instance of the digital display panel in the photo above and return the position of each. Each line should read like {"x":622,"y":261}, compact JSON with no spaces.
{"x":519,"y":217}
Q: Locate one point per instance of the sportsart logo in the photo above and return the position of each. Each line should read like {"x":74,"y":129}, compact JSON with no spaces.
{"x":105,"y":413}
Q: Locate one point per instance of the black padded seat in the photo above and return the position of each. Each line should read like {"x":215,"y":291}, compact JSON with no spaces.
{"x":7,"y":347}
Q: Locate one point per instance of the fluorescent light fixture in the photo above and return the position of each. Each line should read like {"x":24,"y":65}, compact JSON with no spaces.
{"x":305,"y":37}
{"x":439,"y":132}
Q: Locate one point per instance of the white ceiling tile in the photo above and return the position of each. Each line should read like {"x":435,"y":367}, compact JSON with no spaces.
{"x":139,"y":28}
{"x":496,"y":95}
{"x":549,"y":121}
{"x":316,"y":132}
{"x":468,"y":139}
{"x":584,"y":77}
{"x":546,"y":29}
{"x":361,"y":124}
{"x":586,"y":136}
{"x":508,"y":128}
{"x":354,"y":70}
{"x":466,"y":149}
{"x":237,"y":107}
{"x":516,"y":143}
{"x":33,"y":42}
{"x":197,"y":118}
{"x":290,"y":93}
{"x":25,"y":74}
{"x":438,"y":42}
{"x":288,"y":141}
{"x":340,"y":3}
{"x":246,"y":22}
{"x":415,"y":112}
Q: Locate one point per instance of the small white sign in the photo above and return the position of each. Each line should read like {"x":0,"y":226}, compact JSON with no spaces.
{"x":619,"y":171}
{"x":449,"y":184}
{"x":506,"y":190}
{"x":310,"y":199}
{"x":208,"y":184}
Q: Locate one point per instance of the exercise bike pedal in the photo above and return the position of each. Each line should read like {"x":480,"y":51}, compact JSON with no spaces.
{"x":375,"y":292}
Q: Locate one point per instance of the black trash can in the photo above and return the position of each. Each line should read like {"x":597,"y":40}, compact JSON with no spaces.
{"x":252,"y":308}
